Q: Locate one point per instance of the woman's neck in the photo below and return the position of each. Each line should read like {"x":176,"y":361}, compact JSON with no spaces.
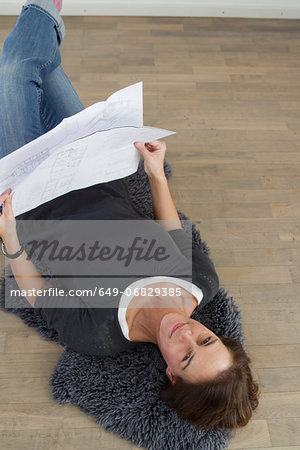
{"x":144,"y":322}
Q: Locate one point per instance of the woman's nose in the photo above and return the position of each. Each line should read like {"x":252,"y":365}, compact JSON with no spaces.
{"x":186,"y":333}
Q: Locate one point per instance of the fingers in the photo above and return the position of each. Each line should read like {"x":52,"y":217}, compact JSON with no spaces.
{"x":150,"y":146}
{"x":4,"y":195}
{"x":9,"y":198}
{"x":155,"y":143}
{"x":139,"y":145}
{"x":141,"y":148}
{"x":8,"y":211}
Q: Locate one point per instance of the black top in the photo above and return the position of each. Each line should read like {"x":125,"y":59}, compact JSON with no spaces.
{"x":81,"y":324}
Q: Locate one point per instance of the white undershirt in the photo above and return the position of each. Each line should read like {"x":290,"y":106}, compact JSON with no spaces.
{"x":125,"y":299}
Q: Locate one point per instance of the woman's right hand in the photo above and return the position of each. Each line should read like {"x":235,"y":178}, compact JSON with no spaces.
{"x":7,"y":219}
{"x":154,"y":155}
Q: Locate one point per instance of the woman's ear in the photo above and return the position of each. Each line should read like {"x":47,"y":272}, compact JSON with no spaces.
{"x":170,"y":375}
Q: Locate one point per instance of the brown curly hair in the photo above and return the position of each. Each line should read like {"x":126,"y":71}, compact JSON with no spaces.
{"x":227,"y":401}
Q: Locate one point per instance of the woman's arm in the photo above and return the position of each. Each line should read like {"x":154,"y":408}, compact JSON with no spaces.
{"x":25,"y":272}
{"x":164,"y":209}
{"x":163,"y":206}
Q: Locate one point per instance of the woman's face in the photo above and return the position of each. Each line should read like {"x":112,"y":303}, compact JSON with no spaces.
{"x":191,"y":350}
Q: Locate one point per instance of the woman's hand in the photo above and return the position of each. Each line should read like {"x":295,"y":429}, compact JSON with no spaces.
{"x":26,"y":274}
{"x":154,"y":155}
{"x":7,"y":219}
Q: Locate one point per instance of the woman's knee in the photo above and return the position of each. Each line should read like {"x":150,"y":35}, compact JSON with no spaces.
{"x":7,"y":69}
{"x":9,"y":48}
{"x":15,"y":73}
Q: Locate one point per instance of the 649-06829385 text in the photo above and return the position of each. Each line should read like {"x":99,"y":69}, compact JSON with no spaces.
{"x":97,"y":291}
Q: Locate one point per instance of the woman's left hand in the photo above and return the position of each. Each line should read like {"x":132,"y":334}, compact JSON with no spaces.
{"x":154,"y":154}
{"x":7,"y":218}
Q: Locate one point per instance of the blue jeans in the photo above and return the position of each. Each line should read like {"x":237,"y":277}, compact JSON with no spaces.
{"x":35,"y":93}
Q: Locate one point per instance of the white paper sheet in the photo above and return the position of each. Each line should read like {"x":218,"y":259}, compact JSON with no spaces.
{"x":91,"y":147}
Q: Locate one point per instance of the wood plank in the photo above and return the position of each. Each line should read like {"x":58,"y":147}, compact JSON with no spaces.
{"x":242,"y":226}
{"x":256,"y":257}
{"x":293,"y":447}
{"x":30,"y":416}
{"x":19,"y":389}
{"x":209,"y":182}
{"x":283,"y":379}
{"x":11,"y":322}
{"x":286,"y":355}
{"x":247,"y":124}
{"x":254,"y":275}
{"x":272,"y":313}
{"x":272,"y":293}
{"x":215,"y":209}
{"x":283,"y":169}
{"x":29,"y":439}
{"x":28,"y":365}
{"x":278,"y":405}
{"x":77,"y":438}
{"x":295,"y":273}
{"x":231,"y":195}
{"x":255,"y":433}
{"x":272,"y":182}
{"x":113,"y":441}
{"x":2,"y":341}
{"x":288,"y":209}
{"x":230,"y":240}
{"x":285,"y":431}
{"x":29,"y":341}
{"x":276,"y":334}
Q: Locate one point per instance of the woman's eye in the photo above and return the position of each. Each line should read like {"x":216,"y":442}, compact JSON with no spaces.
{"x":186,"y":357}
{"x":206,"y":341}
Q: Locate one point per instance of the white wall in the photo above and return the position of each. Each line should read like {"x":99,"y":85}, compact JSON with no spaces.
{"x":277,"y":9}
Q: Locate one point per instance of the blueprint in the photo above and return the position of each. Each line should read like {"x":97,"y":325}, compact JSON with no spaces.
{"x":93,"y":146}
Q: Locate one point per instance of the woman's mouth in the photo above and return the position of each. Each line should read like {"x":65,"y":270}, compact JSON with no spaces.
{"x":178,"y":325}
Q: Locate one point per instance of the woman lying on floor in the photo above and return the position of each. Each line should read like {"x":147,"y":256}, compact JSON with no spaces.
{"x":209,"y":381}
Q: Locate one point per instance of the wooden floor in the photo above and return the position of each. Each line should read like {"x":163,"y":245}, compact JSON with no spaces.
{"x":230,"y":88}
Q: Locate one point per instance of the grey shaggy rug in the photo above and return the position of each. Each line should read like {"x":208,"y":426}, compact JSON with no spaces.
{"x":122,"y":392}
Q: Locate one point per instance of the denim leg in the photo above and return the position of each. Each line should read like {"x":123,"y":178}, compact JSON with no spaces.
{"x":30,"y":53}
{"x":59,"y":99}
